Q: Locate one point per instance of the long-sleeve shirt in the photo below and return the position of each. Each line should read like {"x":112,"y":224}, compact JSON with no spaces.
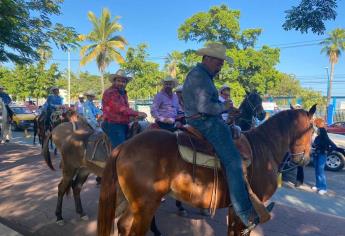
{"x":115,"y":106}
{"x":53,"y":101}
{"x":79,"y":107}
{"x":90,"y":112}
{"x":164,"y":106}
{"x":5,"y":98}
{"x":200,"y":96}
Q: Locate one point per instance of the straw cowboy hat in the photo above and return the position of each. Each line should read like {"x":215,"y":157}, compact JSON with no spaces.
{"x":224,"y":86}
{"x":54,"y":88}
{"x":119,"y":74}
{"x":319,"y":122}
{"x":216,"y":50}
{"x":90,"y":93}
{"x":170,"y":79}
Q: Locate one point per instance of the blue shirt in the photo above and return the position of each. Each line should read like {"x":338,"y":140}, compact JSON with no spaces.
{"x":200,"y":94}
{"x":53,"y":101}
{"x":90,"y":113}
{"x":5,"y":98}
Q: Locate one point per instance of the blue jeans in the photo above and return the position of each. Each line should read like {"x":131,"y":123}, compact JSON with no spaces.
{"x":319,"y":165}
{"x":117,"y":133}
{"x":219,"y":135}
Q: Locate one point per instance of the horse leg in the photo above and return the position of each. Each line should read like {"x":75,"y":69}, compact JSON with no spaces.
{"x":125,"y":222}
{"x":64,"y":186}
{"x":76,"y":186}
{"x":143,"y":216}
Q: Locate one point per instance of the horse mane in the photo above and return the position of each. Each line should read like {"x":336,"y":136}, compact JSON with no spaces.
{"x":278,"y":127}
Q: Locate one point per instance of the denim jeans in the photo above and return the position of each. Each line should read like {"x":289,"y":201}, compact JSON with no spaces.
{"x":319,"y":165}
{"x":117,"y":133}
{"x":219,"y":135}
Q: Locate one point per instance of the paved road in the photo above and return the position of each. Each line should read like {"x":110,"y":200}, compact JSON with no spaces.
{"x":28,"y":198}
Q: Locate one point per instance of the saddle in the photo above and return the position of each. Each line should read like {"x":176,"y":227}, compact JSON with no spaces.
{"x":97,"y":149}
{"x":194,"y":148}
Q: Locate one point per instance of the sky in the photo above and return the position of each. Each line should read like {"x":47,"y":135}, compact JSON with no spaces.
{"x":155,"y":22}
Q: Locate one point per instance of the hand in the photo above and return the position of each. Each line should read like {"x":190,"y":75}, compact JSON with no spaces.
{"x":142,"y":115}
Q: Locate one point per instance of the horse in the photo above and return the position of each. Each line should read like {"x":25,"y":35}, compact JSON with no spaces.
{"x":5,"y":126}
{"x":148,"y":166}
{"x":250,"y":108}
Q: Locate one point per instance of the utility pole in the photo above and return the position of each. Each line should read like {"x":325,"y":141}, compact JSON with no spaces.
{"x":328,"y":112}
{"x":69,"y":77}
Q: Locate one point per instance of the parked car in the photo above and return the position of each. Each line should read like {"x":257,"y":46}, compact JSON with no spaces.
{"x":335,"y":158}
{"x":23,"y":117}
{"x":336,"y":128}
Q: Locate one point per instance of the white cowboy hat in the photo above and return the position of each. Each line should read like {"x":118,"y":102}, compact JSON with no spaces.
{"x":90,"y":93}
{"x":81,"y":95}
{"x":54,"y":88}
{"x":170,"y":79}
{"x":216,"y":50}
{"x":224,"y":86}
{"x":179,"y":88}
{"x":119,"y":74}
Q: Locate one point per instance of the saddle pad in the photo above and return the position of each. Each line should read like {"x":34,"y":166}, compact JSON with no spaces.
{"x":211,"y":161}
{"x":98,"y":149}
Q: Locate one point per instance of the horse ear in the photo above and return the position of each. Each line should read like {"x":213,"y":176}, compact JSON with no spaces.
{"x":312,"y":110}
{"x":291,"y":107}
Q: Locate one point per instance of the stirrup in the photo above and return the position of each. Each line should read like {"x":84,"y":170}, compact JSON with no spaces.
{"x":256,"y":220}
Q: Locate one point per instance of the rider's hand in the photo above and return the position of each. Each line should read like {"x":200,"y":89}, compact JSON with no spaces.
{"x":142,"y":114}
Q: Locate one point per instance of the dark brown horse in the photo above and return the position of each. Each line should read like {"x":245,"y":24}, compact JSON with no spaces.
{"x":149,"y":166}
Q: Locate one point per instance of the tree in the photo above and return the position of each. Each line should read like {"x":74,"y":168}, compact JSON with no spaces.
{"x":333,"y":45}
{"x":25,"y":25}
{"x":252,"y":69}
{"x":104,"y":47}
{"x":146,"y":74}
{"x":310,"y":15}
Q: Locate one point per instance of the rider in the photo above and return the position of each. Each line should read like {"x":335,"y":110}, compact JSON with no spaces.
{"x":202,"y":110}
{"x":79,"y":105}
{"x":224,"y":96}
{"x":116,"y":110}
{"x":90,"y":111}
{"x":54,"y":102}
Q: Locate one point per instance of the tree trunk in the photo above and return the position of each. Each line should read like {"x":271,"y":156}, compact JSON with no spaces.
{"x":102,"y":81}
{"x":329,"y":91}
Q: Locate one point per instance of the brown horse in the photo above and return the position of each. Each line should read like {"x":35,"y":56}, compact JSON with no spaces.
{"x":149,"y":166}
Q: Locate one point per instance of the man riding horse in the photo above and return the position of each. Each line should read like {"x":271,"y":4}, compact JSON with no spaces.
{"x":54,"y":102}
{"x":203,"y":111}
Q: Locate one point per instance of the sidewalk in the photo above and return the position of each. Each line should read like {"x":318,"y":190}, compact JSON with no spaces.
{"x":29,"y":192}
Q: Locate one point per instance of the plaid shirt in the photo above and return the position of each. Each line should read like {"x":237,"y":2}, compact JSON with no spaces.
{"x":115,"y":106}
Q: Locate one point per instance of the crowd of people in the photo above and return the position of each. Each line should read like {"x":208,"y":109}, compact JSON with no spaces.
{"x":198,"y":103}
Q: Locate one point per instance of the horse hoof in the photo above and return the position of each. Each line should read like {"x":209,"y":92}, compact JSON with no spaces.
{"x":84,"y":217}
{"x":60,"y":222}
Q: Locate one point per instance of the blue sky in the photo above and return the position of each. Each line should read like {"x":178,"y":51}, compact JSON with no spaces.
{"x":155,"y":22}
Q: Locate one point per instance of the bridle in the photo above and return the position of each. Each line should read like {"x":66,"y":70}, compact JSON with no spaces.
{"x":252,"y":108}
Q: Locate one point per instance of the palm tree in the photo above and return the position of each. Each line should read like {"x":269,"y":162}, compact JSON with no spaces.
{"x":171,"y":63}
{"x":104,"y":46}
{"x":333,"y":45}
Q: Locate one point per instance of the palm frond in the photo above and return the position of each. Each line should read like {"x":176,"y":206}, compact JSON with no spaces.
{"x":115,"y":56}
{"x":85,"y":48}
{"x":116,"y":45}
{"x":119,"y":38}
{"x":91,"y":55}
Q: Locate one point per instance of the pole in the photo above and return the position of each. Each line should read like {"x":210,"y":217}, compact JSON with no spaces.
{"x":69,"y":78}
{"x":328,"y":95}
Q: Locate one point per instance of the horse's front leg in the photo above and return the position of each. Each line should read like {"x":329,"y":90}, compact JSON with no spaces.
{"x":76,"y":186}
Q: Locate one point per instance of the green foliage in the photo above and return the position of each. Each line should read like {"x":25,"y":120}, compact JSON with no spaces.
{"x":147,"y":76}
{"x":29,"y":80}
{"x":25,"y":26}
{"x":104,"y":47}
{"x":334,"y":44}
{"x":310,"y":15}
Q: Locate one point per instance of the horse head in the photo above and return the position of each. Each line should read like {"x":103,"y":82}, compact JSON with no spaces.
{"x":303,"y":129}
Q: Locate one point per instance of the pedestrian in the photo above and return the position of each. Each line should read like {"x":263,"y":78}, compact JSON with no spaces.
{"x":7,"y":116}
{"x":79,"y":105}
{"x":322,"y":145}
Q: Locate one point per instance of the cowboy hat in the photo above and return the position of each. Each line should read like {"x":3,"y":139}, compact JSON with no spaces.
{"x":90,"y":93}
{"x":54,"y":88}
{"x":319,"y":122}
{"x":179,"y":89}
{"x":224,"y":86}
{"x":170,"y":79}
{"x":81,"y":95}
{"x":216,"y":50}
{"x":119,"y":74}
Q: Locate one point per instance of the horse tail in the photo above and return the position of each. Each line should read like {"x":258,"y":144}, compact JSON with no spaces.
{"x":107,"y":198}
{"x":46,"y":152}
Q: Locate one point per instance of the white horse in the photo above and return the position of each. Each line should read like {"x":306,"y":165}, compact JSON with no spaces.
{"x":5,"y":126}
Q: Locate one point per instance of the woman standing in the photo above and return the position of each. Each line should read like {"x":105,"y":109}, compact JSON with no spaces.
{"x":322,"y":144}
